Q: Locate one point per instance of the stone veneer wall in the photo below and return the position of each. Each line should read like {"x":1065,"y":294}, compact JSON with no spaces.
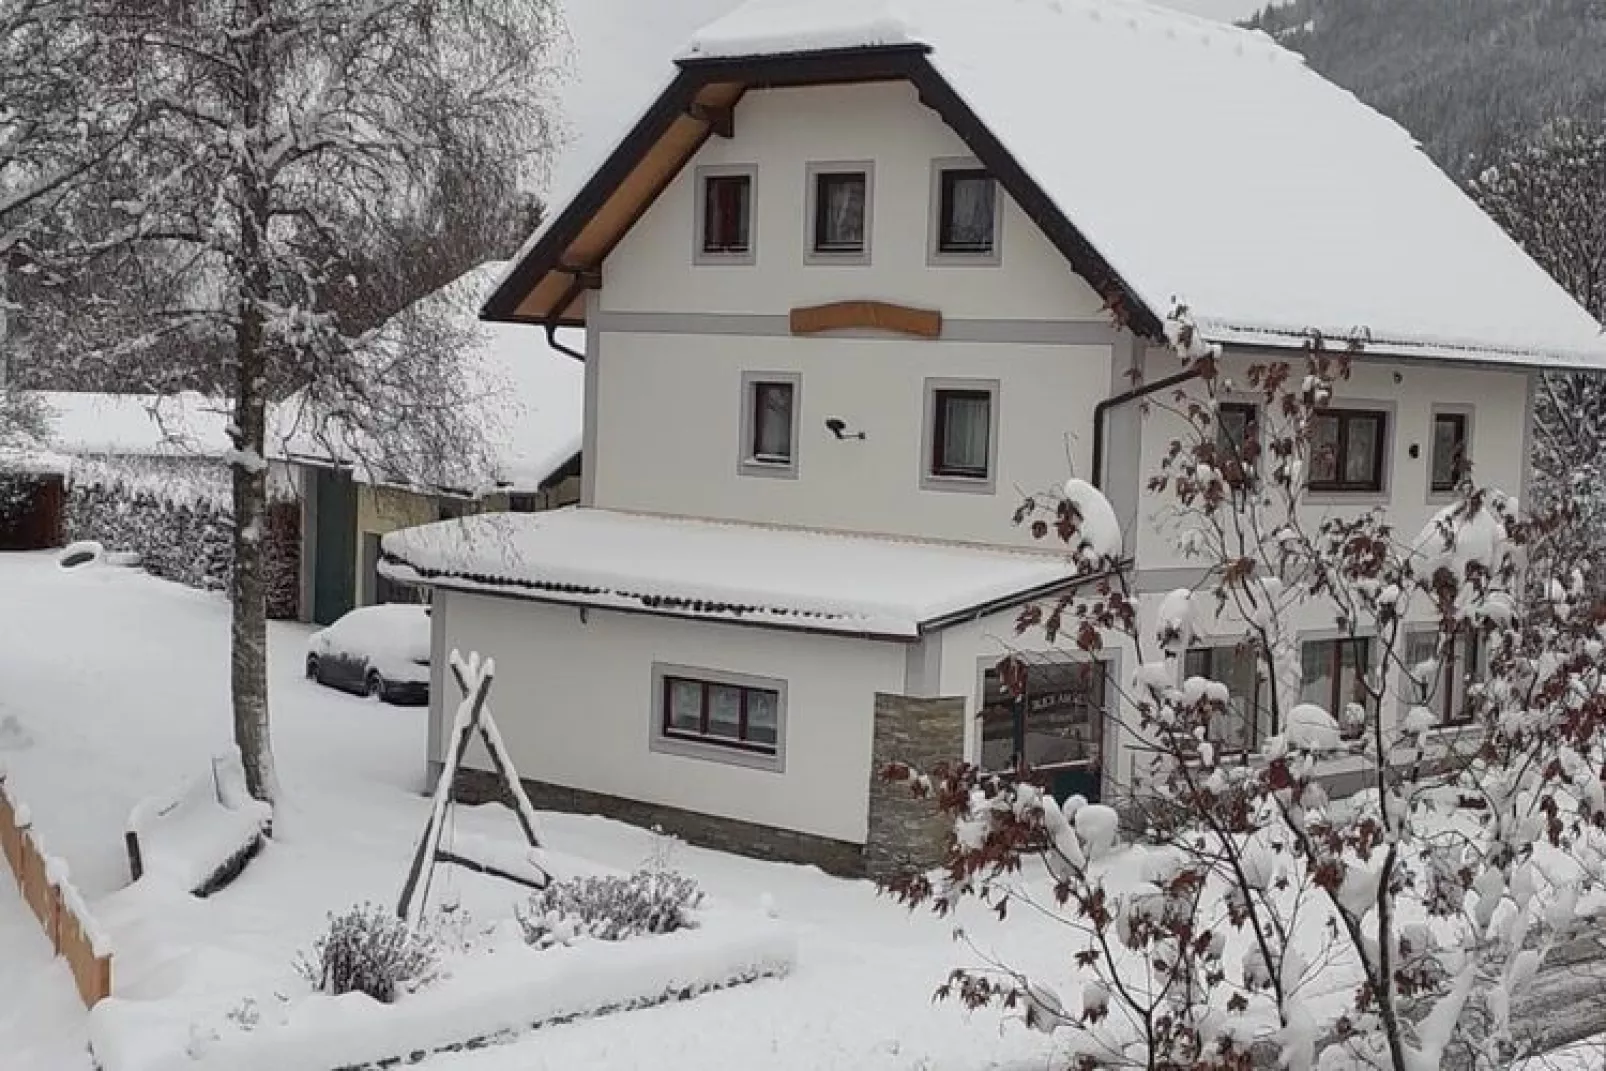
{"x":907,"y":832}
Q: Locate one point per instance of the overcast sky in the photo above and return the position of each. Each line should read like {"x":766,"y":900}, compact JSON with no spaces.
{"x":621,"y":57}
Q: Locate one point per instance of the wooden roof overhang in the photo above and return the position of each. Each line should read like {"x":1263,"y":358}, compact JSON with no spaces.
{"x":548,"y":284}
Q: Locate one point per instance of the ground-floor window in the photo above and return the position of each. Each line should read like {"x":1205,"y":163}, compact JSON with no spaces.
{"x":1331,"y":675}
{"x":1054,"y":717}
{"x":722,"y":712}
{"x":1238,"y":726}
{"x":1439,"y":682}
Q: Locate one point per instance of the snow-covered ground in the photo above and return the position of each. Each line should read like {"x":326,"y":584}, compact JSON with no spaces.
{"x":115,"y":687}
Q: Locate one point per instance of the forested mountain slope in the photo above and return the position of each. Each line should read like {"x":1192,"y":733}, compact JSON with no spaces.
{"x":1465,"y":76}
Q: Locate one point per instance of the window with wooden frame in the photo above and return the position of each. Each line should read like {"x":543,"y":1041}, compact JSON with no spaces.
{"x":1439,"y":681}
{"x":841,"y":212}
{"x":1237,"y":727}
{"x":720,"y":713}
{"x":1448,"y":460}
{"x":967,"y":206}
{"x":727,"y":213}
{"x":769,"y":443}
{"x":961,"y":433}
{"x":1331,"y":675}
{"x":1237,"y":441}
{"x":1347,"y":450}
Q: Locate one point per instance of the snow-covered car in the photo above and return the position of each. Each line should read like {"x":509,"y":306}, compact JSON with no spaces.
{"x":382,"y":651}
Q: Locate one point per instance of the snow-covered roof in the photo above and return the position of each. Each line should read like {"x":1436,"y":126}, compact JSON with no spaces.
{"x":84,"y":424}
{"x":1188,"y":160}
{"x":525,"y":397}
{"x":723,"y":571}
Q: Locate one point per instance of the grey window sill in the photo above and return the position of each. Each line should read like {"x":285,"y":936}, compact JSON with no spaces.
{"x":974,"y":485}
{"x":774,"y":470}
{"x":730,"y":756}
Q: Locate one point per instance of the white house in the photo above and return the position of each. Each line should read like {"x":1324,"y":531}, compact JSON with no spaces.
{"x":864,"y":274}
{"x":524,"y":395}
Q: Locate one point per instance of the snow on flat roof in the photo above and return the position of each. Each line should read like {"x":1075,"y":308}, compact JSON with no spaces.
{"x":856,"y":585}
{"x":526,"y":398}
{"x":137,"y":425}
{"x":1208,"y":164}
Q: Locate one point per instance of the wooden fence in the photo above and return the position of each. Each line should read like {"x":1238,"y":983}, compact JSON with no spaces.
{"x":57,"y":905}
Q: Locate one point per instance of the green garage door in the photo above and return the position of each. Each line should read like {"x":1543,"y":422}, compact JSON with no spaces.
{"x":335,"y":542}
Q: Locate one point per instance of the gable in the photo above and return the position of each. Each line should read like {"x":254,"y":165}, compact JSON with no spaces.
{"x":1167,"y":158}
{"x":550,"y":279}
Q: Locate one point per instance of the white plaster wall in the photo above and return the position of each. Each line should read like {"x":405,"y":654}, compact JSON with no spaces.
{"x":1498,"y":401}
{"x":669,"y":409}
{"x":781,"y":131}
{"x":573,"y":701}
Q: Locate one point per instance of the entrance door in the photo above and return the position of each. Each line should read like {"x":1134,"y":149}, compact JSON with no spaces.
{"x":1056,"y":726}
{"x":334,"y":580}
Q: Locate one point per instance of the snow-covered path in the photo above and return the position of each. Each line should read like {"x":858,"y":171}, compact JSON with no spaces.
{"x":114,"y":685}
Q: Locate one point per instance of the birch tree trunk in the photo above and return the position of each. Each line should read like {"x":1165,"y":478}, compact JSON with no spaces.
{"x":248,"y":675}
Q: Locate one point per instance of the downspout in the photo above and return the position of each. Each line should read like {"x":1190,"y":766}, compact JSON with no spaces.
{"x":1100,"y":410}
{"x":576,"y":288}
{"x":552,"y":341}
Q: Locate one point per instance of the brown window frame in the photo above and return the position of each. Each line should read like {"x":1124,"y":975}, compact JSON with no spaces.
{"x":947,"y":179}
{"x":1337,"y":702}
{"x":1224,"y":455}
{"x":1373,"y":484}
{"x":1465,"y":653}
{"x":1209,"y":653}
{"x":939,"y":432}
{"x":755,"y":456}
{"x":711,"y":245}
{"x":702,"y":735}
{"x":822,"y":180}
{"x":1458,"y":462}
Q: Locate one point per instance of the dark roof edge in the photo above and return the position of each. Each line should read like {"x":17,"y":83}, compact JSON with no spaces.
{"x":504,"y":301}
{"x":1000,"y":603}
{"x":907,"y":61}
{"x":1231,"y":337}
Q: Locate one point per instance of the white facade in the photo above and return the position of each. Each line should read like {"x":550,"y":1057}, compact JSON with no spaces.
{"x":675,"y":338}
{"x":574,"y":701}
{"x":670,"y":339}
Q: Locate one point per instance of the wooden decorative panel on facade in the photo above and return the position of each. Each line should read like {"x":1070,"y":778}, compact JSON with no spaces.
{"x":875,"y":315}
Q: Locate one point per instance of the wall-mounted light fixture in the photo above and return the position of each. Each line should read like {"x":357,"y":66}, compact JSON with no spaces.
{"x":838,"y":427}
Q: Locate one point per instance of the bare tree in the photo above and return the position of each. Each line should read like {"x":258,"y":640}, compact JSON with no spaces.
{"x":1432,"y":894}
{"x":1550,"y":195}
{"x":286,"y":131}
{"x":66,"y":110}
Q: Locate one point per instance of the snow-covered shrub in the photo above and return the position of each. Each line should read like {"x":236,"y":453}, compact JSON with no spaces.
{"x":367,"y":949}
{"x":650,"y":901}
{"x":175,"y":514}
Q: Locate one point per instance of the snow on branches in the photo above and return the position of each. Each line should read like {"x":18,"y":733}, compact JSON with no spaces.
{"x":1412,"y":815}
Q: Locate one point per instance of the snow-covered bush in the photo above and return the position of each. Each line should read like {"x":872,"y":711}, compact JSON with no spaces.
{"x":1256,"y":888}
{"x":610,"y":908}
{"x":367,"y":949}
{"x":174,"y":513}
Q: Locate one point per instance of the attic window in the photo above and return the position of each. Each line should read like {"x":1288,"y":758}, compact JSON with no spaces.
{"x":725,"y":215}
{"x":839,"y":213}
{"x":966,"y":206}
